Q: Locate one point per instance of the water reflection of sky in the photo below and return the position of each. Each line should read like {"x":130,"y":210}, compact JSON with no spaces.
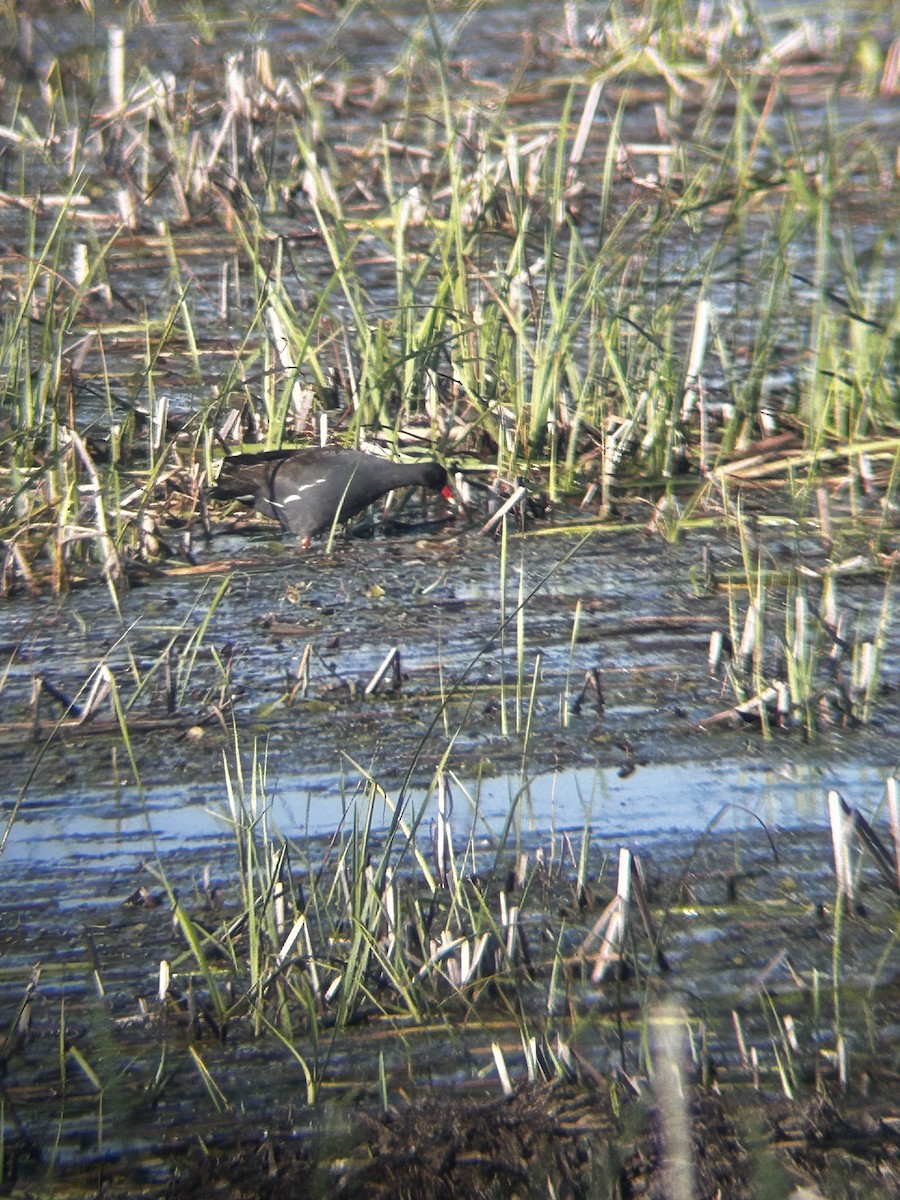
{"x":652,"y":801}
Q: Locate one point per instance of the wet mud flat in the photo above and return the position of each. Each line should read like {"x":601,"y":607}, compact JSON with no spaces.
{"x":784,"y":1002}
{"x":572,"y":655}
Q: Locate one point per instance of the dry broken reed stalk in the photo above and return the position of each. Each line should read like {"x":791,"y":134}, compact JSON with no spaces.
{"x":502,"y":939}
{"x":543,"y":300}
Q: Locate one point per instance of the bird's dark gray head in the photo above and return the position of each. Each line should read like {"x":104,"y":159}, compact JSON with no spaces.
{"x":434,"y":476}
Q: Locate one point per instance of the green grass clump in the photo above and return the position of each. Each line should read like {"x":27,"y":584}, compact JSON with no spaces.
{"x":552,"y":290}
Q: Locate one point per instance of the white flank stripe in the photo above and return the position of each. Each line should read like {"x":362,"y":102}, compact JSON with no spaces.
{"x":303,"y":487}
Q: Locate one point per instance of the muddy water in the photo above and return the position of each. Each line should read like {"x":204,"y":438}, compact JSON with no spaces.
{"x":533,"y":755}
{"x":619,"y":611}
{"x":521,"y":56}
{"x":746,"y":917}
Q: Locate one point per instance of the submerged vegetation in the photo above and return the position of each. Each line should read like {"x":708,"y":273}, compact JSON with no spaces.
{"x":630,"y":271}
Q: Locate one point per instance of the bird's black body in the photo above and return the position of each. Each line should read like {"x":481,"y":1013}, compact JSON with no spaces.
{"x":309,"y":491}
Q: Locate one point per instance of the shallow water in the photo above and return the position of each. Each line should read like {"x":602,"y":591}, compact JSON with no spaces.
{"x":356,"y":68}
{"x":654,"y":802}
{"x":504,"y":706}
{"x":514,"y":729}
{"x":639,"y":767}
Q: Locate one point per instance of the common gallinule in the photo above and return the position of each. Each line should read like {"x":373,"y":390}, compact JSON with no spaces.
{"x":308,"y":491}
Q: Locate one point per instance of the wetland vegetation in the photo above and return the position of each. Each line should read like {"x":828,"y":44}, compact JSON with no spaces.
{"x":630,"y":272}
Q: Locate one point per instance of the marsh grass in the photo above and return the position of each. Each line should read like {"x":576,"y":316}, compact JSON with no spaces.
{"x":491,"y":950}
{"x":796,"y":660}
{"x":386,"y":960}
{"x":184,"y":685}
{"x":626,"y":288}
{"x":555,"y":292}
